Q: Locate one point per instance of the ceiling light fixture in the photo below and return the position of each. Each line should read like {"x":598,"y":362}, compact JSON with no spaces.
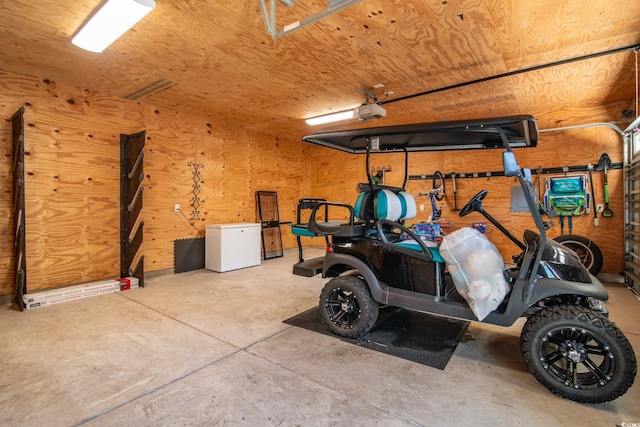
{"x":111,"y":21}
{"x":330,"y":118}
{"x":370,"y":110}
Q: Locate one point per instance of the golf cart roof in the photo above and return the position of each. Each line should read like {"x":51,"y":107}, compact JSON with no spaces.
{"x":520,"y":131}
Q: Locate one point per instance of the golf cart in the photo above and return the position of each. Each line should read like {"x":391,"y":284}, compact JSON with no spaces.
{"x":567,"y":342}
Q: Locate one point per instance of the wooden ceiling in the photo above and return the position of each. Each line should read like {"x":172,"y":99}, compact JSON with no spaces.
{"x":216,"y":58}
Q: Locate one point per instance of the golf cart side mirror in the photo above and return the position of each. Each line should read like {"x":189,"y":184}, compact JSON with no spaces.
{"x":510,"y":164}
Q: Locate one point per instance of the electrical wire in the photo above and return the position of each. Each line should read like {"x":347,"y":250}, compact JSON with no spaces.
{"x":190,"y":223}
{"x":513,"y":73}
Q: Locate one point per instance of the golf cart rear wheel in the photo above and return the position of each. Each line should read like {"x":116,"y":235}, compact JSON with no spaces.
{"x":347,"y":307}
{"x":578,"y":354}
{"x":588,"y":252}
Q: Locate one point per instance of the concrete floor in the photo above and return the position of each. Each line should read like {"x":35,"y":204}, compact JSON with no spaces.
{"x":206,"y":348}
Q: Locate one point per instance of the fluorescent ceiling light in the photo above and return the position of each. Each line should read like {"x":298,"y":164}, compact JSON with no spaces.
{"x":329,"y":118}
{"x":111,"y":21}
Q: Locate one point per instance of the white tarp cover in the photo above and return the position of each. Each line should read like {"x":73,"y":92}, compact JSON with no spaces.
{"x":477,"y":269}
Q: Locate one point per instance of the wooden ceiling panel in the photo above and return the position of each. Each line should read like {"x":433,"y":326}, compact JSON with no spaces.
{"x":216,"y":58}
{"x":550,"y":31}
{"x":431,"y":47}
{"x":578,"y":85}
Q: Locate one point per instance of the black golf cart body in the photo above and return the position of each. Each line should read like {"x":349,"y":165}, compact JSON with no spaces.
{"x":400,"y":276}
{"x":371,"y":259}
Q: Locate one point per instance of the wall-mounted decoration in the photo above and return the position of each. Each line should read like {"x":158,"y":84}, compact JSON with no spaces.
{"x":197,"y":189}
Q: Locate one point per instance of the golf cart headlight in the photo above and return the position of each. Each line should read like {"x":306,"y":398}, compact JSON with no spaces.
{"x":597,"y":305}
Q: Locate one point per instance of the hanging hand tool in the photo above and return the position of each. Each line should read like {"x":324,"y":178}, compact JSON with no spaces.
{"x":593,"y":195}
{"x":436,"y":193}
{"x":539,"y":172}
{"x":604,"y":163}
{"x":455,"y":198}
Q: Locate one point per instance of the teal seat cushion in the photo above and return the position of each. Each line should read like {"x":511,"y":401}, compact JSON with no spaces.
{"x":412,"y":244}
{"x":358,"y":208}
{"x":388,"y":205}
{"x":302,"y":230}
{"x":408,"y":203}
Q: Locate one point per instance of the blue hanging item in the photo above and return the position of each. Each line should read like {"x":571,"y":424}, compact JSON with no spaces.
{"x":568,"y":196}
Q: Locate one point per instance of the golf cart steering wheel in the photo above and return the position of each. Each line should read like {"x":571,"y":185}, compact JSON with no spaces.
{"x":475,"y":204}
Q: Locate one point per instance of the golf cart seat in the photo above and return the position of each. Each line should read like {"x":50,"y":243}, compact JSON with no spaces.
{"x":311,"y":266}
{"x":390,"y":210}
{"x":301,"y":228}
{"x":391,"y":203}
{"x":394,"y":206}
{"x":341,"y":228}
{"x":379,"y":202}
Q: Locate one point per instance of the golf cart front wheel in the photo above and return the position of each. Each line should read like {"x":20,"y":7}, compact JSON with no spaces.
{"x":347,"y":308}
{"x":588,"y":252}
{"x":578,"y":354}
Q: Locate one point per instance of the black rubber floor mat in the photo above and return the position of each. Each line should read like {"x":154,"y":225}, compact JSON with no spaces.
{"x":188,"y":254}
{"x":421,"y":338}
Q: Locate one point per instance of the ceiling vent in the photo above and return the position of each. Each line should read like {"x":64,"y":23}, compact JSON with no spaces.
{"x":151,"y":89}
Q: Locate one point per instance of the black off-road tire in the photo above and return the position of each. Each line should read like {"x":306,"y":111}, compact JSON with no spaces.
{"x":578,"y":354}
{"x":347,"y":308}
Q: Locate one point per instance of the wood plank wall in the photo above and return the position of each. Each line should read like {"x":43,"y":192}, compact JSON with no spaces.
{"x":72,"y":165}
{"x":72,"y":180}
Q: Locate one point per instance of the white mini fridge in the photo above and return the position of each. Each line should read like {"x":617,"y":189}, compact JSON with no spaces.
{"x":231,"y":246}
